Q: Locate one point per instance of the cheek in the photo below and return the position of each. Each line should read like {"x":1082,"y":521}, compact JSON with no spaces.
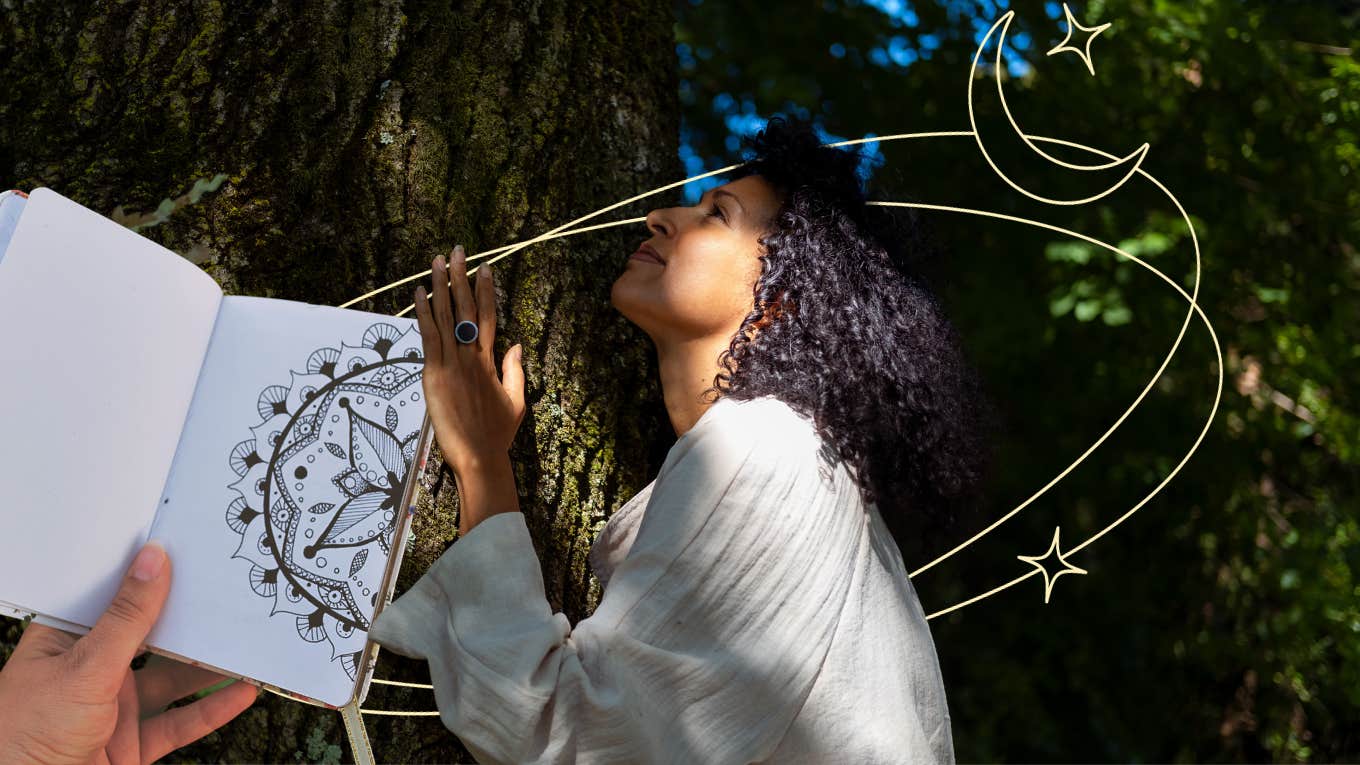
{"x":711,"y":292}
{"x":704,"y":289}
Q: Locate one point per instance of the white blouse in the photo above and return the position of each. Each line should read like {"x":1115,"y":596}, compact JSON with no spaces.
{"x":754,"y":610}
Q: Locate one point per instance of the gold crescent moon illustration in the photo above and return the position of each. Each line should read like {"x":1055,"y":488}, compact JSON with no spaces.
{"x":1124,"y":168}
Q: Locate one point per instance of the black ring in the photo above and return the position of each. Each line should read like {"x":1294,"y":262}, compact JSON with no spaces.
{"x":463,"y":336}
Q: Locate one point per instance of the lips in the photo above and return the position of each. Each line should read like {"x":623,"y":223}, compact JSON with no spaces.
{"x":645,"y":252}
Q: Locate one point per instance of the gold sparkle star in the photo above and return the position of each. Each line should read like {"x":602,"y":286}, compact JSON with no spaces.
{"x":1073,"y":26}
{"x":1037,"y":561}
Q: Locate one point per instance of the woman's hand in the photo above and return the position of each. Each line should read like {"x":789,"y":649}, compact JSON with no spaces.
{"x":475,"y":415}
{"x":67,"y":699}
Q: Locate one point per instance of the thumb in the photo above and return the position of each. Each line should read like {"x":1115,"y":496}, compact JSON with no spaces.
{"x":512,"y":378}
{"x":102,"y":656}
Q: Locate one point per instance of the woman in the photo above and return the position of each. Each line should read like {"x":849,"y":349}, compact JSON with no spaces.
{"x":755,"y":606}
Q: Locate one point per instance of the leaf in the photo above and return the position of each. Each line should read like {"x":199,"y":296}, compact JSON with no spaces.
{"x":335,"y":449}
{"x":382,"y":443}
{"x":1087,"y":310}
{"x":1062,"y":305}
{"x":1272,"y":294}
{"x":1117,"y":315}
{"x":203,"y":184}
{"x":1072,"y":252}
{"x":354,"y":511}
{"x":321,"y":507}
{"x":359,"y":560}
{"x":391,"y":418}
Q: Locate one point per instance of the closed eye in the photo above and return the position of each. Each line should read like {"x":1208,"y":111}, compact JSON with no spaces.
{"x":717,"y":211}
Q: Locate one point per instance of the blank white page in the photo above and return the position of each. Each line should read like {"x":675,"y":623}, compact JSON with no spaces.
{"x":279,"y":512}
{"x":103,"y":333}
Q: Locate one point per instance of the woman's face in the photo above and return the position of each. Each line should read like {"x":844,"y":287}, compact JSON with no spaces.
{"x":711,"y":253}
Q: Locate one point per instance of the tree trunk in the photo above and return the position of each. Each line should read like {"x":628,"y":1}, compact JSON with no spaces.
{"x":357,"y":141}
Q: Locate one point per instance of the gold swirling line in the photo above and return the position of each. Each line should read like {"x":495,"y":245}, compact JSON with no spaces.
{"x":1194,"y":308}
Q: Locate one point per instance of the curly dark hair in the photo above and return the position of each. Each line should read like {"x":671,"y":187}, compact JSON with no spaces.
{"x":845,"y":332}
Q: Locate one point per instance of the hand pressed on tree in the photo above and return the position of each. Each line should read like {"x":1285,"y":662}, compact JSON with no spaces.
{"x":475,"y":413}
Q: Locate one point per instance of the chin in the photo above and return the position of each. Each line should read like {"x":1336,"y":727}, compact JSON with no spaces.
{"x":624,"y":299}
{"x":614,"y":298}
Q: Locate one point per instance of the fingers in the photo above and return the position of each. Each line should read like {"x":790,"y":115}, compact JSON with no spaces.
{"x":122,"y":745}
{"x":512,"y":379}
{"x":184,"y":725}
{"x":464,"y":307}
{"x":163,"y":681}
{"x":486,"y":314}
{"x":101,"y":657}
{"x":429,"y":330}
{"x":443,"y":309}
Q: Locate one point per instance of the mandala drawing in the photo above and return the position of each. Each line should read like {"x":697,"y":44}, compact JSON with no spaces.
{"x":320,"y":482}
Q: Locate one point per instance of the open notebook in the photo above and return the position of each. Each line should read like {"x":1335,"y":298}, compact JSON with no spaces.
{"x":271,"y":446}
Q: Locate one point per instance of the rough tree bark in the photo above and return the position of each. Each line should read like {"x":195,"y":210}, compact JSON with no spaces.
{"x":359,"y":139}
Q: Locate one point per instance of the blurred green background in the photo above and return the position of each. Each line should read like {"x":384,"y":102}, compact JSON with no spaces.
{"x":1219,"y":622}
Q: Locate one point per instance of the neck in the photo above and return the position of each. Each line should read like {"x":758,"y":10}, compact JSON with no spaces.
{"x":687,"y":370}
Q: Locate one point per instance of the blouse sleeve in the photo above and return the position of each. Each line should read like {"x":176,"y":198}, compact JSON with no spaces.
{"x":704,"y":646}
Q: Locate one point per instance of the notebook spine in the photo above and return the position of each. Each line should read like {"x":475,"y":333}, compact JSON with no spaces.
{"x":399,"y":538}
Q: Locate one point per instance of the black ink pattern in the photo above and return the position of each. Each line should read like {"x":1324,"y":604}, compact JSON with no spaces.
{"x":320,"y":482}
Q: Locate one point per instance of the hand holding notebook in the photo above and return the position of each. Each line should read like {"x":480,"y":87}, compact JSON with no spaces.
{"x":270,"y":445}
{"x":68,"y":699}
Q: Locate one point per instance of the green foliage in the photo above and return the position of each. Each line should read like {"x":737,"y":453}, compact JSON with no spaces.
{"x":1087,"y":298}
{"x":1220,"y":621}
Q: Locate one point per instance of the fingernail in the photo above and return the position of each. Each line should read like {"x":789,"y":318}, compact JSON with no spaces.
{"x":458,"y":248}
{"x":484,"y":270}
{"x":149,"y":562}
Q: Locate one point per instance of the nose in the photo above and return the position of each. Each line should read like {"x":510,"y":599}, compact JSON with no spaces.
{"x":655,"y":222}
